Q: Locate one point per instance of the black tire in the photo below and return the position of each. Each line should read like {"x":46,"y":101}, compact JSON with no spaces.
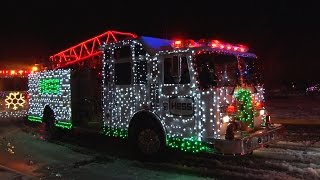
{"x":147,"y":140}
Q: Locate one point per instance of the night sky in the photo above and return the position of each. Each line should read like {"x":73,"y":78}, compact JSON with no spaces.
{"x":285,"y":35}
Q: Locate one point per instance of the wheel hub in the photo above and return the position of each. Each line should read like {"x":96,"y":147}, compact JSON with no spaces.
{"x":148,"y":141}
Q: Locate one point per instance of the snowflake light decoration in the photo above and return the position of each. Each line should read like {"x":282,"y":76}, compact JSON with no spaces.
{"x":14,"y":100}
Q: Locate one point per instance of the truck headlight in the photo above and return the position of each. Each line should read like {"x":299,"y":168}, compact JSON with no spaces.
{"x":225,"y":119}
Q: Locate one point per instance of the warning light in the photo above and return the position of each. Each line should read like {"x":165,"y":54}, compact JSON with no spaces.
{"x":34,"y":68}
{"x":217,"y":44}
{"x":259,"y":105}
{"x":230,"y":109}
{"x":223,"y":45}
{"x":184,"y":43}
{"x":177,"y":44}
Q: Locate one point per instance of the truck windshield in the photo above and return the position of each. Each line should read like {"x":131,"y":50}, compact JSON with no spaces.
{"x":249,"y":70}
{"x":218,"y":70}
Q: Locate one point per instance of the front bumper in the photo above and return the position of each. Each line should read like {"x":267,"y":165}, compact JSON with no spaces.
{"x":247,"y":143}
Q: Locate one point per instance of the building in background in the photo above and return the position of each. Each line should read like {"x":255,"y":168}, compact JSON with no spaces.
{"x":13,"y":89}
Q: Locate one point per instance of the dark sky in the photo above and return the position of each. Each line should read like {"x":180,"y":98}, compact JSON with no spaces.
{"x":285,"y":35}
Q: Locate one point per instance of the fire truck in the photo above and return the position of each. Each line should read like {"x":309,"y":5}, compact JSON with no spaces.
{"x":194,"y":96}
{"x":13,"y":90}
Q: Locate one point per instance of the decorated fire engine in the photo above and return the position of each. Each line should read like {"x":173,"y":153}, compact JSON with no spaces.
{"x":13,"y":91}
{"x":195,"y":96}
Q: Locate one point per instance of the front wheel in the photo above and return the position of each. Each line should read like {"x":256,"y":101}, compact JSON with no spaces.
{"x":148,"y":142}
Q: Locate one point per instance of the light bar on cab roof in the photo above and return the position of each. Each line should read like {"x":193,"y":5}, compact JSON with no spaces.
{"x":184,"y":43}
{"x":177,"y":44}
{"x":227,"y":46}
{"x":211,"y":43}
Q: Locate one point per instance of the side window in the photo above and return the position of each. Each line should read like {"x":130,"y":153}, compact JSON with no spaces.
{"x":123,"y":73}
{"x":185,"y":75}
{"x":122,"y":52}
{"x":167,"y":71}
{"x":176,"y":70}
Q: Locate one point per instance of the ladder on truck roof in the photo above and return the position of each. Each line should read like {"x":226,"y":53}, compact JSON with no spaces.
{"x":87,"y":49}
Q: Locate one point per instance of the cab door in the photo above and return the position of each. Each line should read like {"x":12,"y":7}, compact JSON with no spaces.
{"x":122,"y":94}
{"x":176,"y":100}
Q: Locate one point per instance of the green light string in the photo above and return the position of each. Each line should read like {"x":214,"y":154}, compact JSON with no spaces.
{"x":35,"y":118}
{"x":63,"y":125}
{"x":244,"y":107}
{"x":187,"y":144}
{"x":49,"y":86}
{"x":60,"y":124}
{"x":182,"y":144}
{"x":116,"y":132}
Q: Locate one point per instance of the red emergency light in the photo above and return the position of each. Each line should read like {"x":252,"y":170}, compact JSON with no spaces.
{"x":211,"y":43}
{"x":228,"y":46}
{"x":177,"y":44}
{"x":184,"y":43}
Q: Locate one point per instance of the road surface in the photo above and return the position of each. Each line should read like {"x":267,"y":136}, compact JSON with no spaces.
{"x":10,"y":174}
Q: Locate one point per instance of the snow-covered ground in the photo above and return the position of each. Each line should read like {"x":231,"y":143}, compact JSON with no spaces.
{"x":294,"y":109}
{"x":295,"y":157}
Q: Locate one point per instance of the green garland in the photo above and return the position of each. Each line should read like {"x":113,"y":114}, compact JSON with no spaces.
{"x":244,"y":106}
{"x":187,"y":144}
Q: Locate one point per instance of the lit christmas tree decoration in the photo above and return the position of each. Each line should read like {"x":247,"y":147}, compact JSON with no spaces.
{"x":244,"y":107}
